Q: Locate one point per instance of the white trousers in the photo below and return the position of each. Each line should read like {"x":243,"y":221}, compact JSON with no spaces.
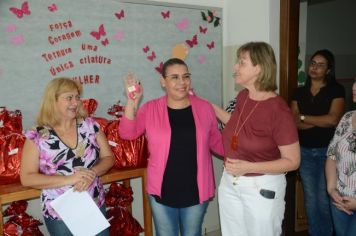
{"x":243,"y":209}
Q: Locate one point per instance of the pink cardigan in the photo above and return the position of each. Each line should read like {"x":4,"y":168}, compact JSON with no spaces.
{"x":152,"y":119}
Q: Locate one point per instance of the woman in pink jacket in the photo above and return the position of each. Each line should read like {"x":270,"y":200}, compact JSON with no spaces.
{"x":181,"y":130}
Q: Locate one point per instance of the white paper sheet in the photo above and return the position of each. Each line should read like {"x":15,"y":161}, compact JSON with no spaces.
{"x":80,"y":213}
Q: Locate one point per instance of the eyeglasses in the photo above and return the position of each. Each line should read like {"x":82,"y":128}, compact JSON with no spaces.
{"x":175,"y":77}
{"x":317,"y":65}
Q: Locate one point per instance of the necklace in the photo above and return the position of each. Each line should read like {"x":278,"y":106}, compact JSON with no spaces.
{"x":237,"y":131}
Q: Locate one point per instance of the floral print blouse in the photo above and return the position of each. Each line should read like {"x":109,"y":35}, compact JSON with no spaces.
{"x":342,"y":149}
{"x":56,"y":158}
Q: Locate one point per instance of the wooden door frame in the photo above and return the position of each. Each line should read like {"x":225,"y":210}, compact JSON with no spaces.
{"x":289,"y":37}
{"x":288,"y":72}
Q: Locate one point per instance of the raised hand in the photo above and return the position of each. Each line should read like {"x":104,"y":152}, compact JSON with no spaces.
{"x":133,"y":87}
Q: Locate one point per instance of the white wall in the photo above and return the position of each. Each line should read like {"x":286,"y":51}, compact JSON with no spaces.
{"x":243,"y":21}
{"x":331,"y":25}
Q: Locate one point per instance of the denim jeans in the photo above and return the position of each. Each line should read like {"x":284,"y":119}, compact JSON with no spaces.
{"x":345,"y":224}
{"x":58,"y":228}
{"x":169,"y":221}
{"x":316,"y":198}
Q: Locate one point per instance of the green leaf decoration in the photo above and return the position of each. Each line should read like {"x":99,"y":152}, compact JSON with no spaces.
{"x":203,"y":15}
{"x":210,"y":13}
{"x":301,"y":78}
{"x":300,"y":63}
{"x":217,"y":22}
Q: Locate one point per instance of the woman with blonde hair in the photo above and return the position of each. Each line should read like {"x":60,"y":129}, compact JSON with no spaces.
{"x":261,"y":144}
{"x":65,"y":150}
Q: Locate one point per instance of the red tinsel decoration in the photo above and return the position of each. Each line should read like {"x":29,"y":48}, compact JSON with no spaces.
{"x":122,"y":223}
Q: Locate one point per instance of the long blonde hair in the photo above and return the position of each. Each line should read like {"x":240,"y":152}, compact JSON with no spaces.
{"x":47,"y":115}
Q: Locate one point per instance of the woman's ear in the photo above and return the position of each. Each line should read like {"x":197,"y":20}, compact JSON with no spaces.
{"x":257,"y":69}
{"x":162,"y":81}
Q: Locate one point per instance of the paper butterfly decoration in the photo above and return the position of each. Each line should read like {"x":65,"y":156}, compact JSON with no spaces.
{"x":52,"y":8}
{"x":146,"y":49}
{"x":20,"y":12}
{"x":211,"y":45}
{"x":201,"y":59}
{"x":166,"y":14}
{"x":105,"y":42}
{"x":152,"y":56}
{"x":10,"y":28}
{"x":98,"y":34}
{"x":159,"y":68}
{"x":183,"y":24}
{"x":202,"y":29}
{"x":119,"y":35}
{"x":192,"y":42}
{"x":17,"y":40}
{"x":120,"y":14}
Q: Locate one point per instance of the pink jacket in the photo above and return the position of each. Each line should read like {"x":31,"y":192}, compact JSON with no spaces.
{"x":152,"y":119}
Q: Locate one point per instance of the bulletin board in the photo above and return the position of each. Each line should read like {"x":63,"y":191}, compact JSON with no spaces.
{"x":98,"y":42}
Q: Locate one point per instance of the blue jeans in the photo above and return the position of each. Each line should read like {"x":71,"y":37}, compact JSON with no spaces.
{"x":345,"y":224}
{"x":169,"y":221}
{"x":316,"y":198}
{"x":58,"y":228}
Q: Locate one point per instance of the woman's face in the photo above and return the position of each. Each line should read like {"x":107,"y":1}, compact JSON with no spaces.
{"x":318,"y":68}
{"x":68,"y":104}
{"x":245,"y":73}
{"x":177,"y":82}
{"x":354,"y":91}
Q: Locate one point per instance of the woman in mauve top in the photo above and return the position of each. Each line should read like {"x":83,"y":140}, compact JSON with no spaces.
{"x":261,"y":144}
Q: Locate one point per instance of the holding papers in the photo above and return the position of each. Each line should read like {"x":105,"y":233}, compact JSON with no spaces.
{"x":80,"y":213}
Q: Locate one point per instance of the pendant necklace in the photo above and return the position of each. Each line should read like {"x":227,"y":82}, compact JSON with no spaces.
{"x":237,"y":130}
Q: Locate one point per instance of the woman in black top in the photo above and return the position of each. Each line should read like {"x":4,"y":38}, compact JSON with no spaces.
{"x":318,"y":107}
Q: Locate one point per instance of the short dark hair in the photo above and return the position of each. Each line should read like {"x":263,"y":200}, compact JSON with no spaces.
{"x":172,"y":62}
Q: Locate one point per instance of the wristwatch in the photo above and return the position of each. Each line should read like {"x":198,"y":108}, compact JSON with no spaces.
{"x":302,"y":118}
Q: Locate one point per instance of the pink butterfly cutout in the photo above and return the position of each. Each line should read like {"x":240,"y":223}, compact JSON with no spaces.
{"x":120,"y":14}
{"x":20,"y":12}
{"x":201,"y":59}
{"x":211,"y":45}
{"x":202,"y":29}
{"x":159,"y":68}
{"x":17,"y":40}
{"x":119,"y":35}
{"x":52,"y":8}
{"x":105,"y":42}
{"x":100,"y":33}
{"x":166,"y":14}
{"x":146,"y":49}
{"x":10,"y":28}
{"x":183,"y":24}
{"x":152,"y":56}
{"x":192,"y":42}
